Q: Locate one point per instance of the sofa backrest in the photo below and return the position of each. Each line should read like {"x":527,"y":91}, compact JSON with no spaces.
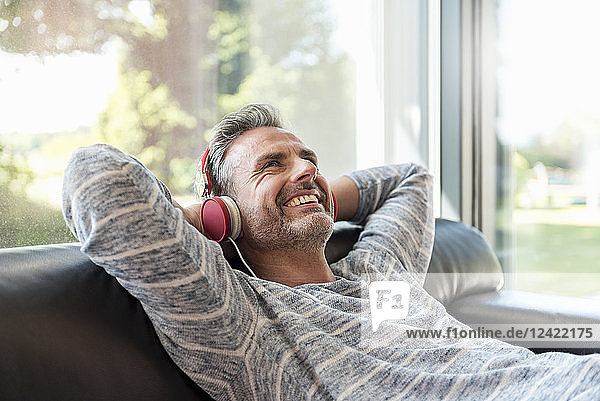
{"x":69,"y":331}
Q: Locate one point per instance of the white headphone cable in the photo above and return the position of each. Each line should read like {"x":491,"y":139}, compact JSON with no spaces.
{"x":241,"y":257}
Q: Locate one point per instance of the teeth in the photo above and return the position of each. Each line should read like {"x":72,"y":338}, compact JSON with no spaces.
{"x":302,"y":199}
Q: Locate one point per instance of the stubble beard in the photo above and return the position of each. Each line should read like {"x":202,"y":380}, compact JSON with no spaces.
{"x":308,"y":232}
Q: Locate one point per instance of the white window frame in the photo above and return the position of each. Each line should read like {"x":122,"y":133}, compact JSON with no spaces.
{"x":398,"y":87}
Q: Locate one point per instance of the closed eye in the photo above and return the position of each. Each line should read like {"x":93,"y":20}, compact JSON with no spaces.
{"x":272,"y":163}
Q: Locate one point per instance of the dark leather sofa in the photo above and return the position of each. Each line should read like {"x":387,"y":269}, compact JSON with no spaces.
{"x":69,"y":331}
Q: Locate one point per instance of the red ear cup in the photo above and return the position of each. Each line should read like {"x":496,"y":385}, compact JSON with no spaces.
{"x":220,"y":218}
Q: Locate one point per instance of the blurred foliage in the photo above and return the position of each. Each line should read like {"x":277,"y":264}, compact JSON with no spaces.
{"x":182,"y":65}
{"x":566,"y":147}
{"x":14,"y":170}
{"x":135,"y":109}
{"x":64,"y":26}
{"x":163,"y":102}
{"x":23,"y":222}
{"x":185,"y":64}
{"x":281,"y":53}
{"x":551,"y":249}
{"x":230,"y":33}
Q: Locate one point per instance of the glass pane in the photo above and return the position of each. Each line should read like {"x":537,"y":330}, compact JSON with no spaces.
{"x":548,"y":127}
{"x":152,"y":77}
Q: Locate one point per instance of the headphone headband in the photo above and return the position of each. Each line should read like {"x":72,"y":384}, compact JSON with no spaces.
{"x":206,"y":184}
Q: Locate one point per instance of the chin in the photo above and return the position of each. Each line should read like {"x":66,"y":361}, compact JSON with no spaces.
{"x":312,"y":235}
{"x":308,"y":233}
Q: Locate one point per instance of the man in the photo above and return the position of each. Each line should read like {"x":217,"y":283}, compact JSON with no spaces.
{"x":298,"y":330}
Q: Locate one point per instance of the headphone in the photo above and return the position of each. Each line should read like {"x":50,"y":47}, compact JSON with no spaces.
{"x":220,"y":215}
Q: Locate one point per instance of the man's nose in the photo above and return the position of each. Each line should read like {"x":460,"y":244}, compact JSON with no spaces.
{"x":304,"y":170}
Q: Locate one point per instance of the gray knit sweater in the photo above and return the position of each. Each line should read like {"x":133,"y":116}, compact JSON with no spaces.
{"x":242,"y":338}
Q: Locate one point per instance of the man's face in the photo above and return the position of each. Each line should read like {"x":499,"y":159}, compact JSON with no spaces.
{"x":284,"y":201}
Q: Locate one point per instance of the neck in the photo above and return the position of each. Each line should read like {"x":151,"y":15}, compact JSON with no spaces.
{"x":288,"y":266}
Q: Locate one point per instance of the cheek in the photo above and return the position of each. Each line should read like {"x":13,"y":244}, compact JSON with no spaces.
{"x":263,"y":199}
{"x":271,"y":189}
{"x":256,"y":205}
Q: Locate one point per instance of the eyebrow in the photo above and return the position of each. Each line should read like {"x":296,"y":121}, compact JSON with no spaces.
{"x":307,"y":153}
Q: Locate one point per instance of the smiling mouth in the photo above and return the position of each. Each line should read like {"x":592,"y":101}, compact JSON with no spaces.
{"x":302,"y":200}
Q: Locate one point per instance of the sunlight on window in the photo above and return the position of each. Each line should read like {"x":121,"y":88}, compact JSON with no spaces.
{"x":151,"y":78}
{"x":549,"y":129}
{"x":143,"y":11}
{"x":54,"y":94}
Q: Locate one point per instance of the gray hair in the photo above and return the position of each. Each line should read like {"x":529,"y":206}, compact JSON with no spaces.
{"x":226,"y":131}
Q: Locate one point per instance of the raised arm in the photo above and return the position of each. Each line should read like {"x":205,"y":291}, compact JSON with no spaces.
{"x":347,"y":196}
{"x":126,"y":223}
{"x":394,"y":204}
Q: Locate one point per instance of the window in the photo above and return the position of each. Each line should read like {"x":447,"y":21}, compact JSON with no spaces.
{"x":356,"y":80}
{"x":520,"y":130}
{"x":548,"y":136}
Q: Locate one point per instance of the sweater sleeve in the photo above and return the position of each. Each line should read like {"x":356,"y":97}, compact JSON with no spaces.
{"x":395,"y":207}
{"x":124,"y":219}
